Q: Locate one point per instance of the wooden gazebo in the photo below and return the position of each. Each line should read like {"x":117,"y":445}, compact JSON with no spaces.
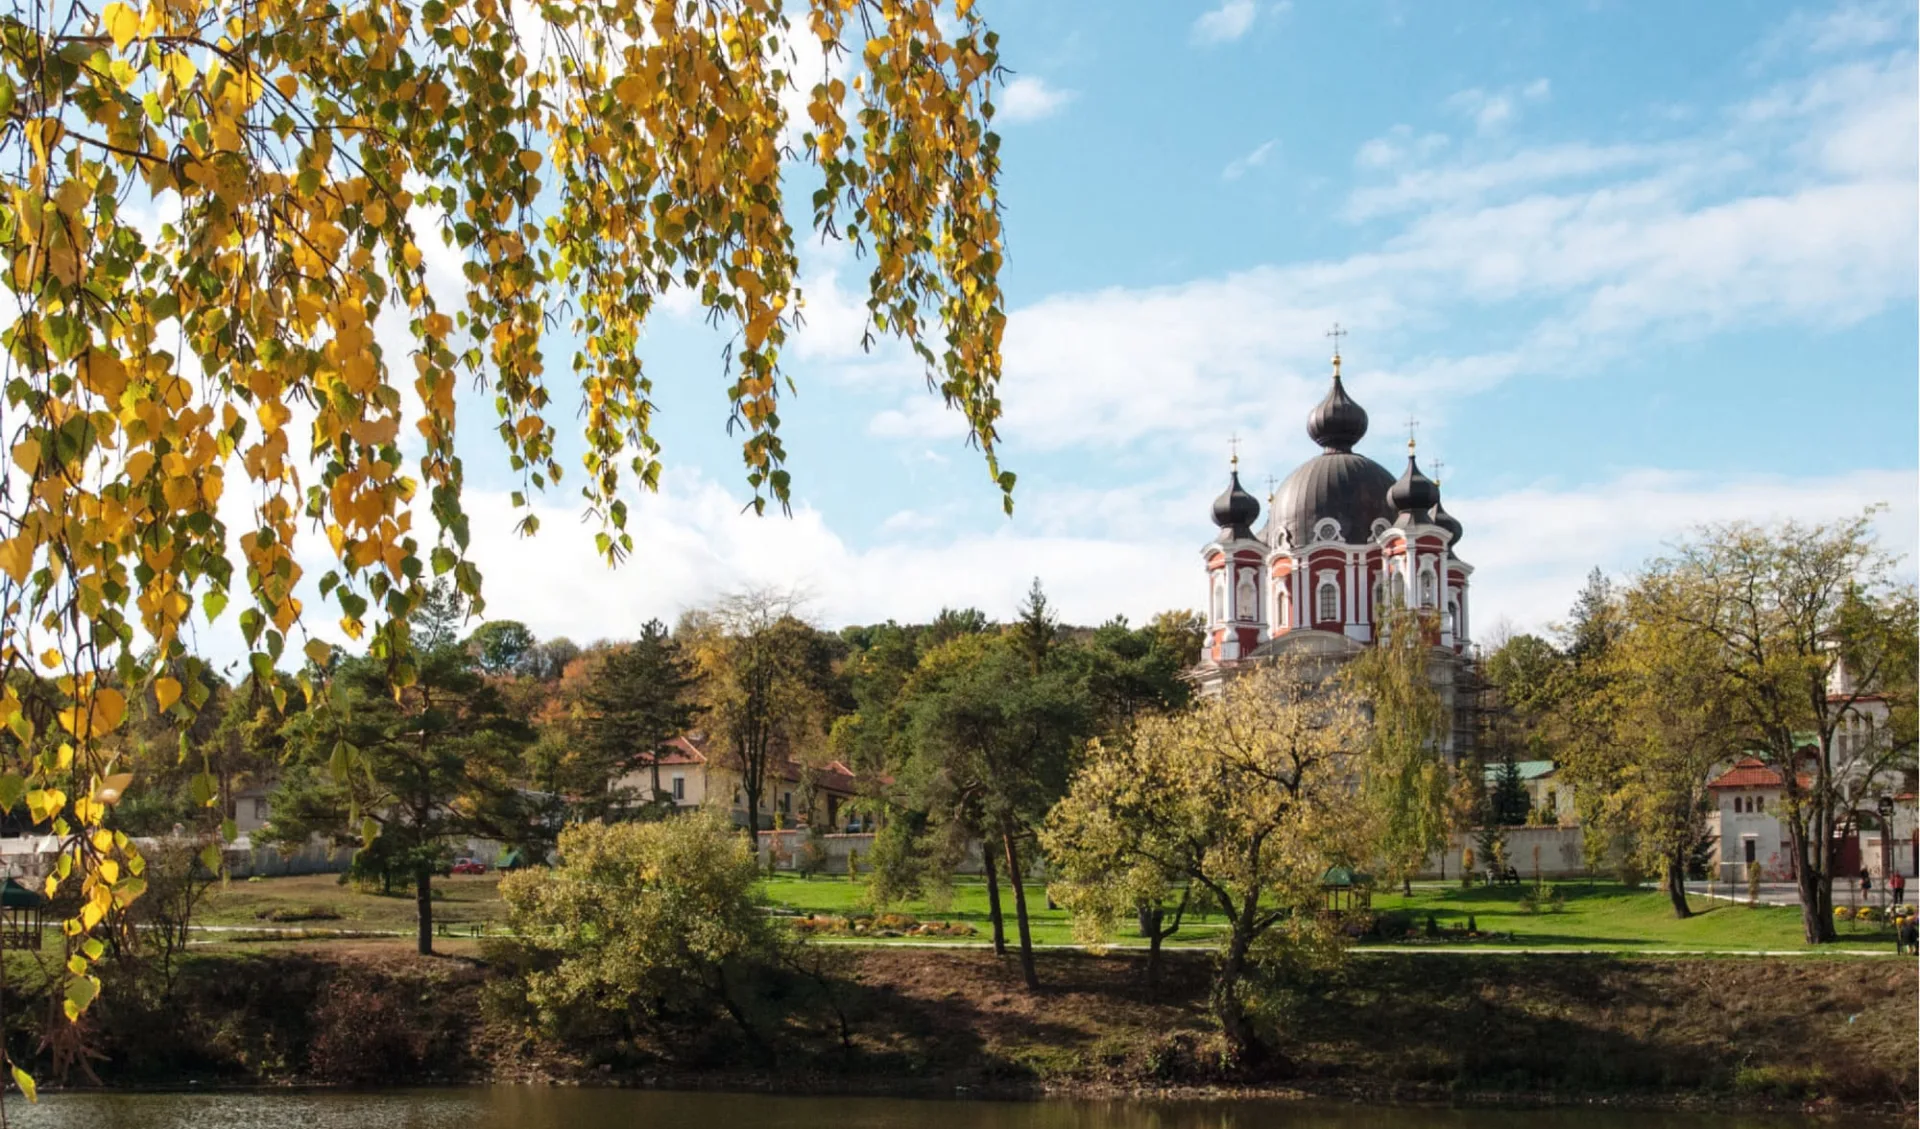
{"x":22,"y":916}
{"x":1346,"y":889}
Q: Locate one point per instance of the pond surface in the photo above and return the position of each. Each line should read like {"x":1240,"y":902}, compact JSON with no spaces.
{"x":531,"y":1107}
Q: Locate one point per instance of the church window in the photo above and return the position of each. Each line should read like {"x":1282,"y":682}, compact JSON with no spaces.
{"x":1329,"y":601}
{"x":1759,"y":803}
{"x":1219,"y":597}
{"x":1426,"y":590}
{"x":1453,"y":617}
{"x":1327,"y":530}
{"x":1245,"y":598}
{"x":1399,"y":585}
{"x":1282,"y":606}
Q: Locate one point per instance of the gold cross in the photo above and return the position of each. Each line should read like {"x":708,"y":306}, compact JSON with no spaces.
{"x":1233,"y":445}
{"x":1336,"y":333}
{"x":1413,"y":427}
{"x":1438,"y":466}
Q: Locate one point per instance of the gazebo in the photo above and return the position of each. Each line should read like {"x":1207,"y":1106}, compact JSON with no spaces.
{"x":22,"y":916}
{"x":1346,"y":889}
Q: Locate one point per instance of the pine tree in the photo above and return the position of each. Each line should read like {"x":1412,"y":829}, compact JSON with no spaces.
{"x":1510,"y":801}
{"x":1036,"y":626}
{"x":643,"y":698}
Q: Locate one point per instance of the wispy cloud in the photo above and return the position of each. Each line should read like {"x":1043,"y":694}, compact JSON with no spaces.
{"x":1492,"y":111}
{"x":1029,"y":98}
{"x":1231,"y":20}
{"x":1240,"y":166}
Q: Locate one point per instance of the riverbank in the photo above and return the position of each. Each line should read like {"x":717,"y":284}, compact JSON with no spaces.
{"x":1578,"y":1029}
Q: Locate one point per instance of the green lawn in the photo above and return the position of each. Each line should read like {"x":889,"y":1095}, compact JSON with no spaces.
{"x":1610,"y":916}
{"x":1604,"y":917}
{"x":319,"y":902}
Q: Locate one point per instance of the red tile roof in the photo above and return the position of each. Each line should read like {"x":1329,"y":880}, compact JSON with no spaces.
{"x":1752,"y":772}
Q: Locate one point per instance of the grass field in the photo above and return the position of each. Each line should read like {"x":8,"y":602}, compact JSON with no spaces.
{"x":1606,"y":917}
{"x":319,"y":902}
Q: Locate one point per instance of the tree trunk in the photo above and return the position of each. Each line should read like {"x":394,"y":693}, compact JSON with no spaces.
{"x":423,"y":905}
{"x":1150,"y":925}
{"x":1020,"y":914}
{"x":1677,"y":885}
{"x":1813,"y":877}
{"x":1224,"y":999}
{"x":993,"y":901}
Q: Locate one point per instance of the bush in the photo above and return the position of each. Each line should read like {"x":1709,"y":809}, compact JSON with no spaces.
{"x":1529,"y":900}
{"x":1630,"y":874}
{"x":361,"y":1034}
{"x":1842,"y":913}
{"x":645,"y":922}
{"x":1557,"y":898}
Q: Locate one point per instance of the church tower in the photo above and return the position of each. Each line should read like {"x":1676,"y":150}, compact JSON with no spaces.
{"x":1344,"y":541}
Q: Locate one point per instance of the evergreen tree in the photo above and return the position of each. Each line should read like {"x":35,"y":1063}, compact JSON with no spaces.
{"x":1036,"y":627}
{"x":437,"y":758}
{"x":643,"y":697}
{"x":1510,"y":801}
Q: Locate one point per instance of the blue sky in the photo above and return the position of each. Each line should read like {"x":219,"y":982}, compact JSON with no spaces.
{"x":1635,"y":266}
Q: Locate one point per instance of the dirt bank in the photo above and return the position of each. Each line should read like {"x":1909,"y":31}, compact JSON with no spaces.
{"x":1429,"y":1027}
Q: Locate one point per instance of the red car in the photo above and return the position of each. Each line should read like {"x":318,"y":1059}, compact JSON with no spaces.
{"x":469,"y":866}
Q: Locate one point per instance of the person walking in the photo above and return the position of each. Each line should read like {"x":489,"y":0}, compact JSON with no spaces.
{"x":1897,"y":886}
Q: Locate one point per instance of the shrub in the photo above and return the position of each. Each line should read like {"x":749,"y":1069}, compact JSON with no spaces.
{"x":1529,"y":900}
{"x":643,"y":921}
{"x":1842,"y":913}
{"x":1557,"y":898}
{"x":361,"y":1034}
{"x":1472,"y":925}
{"x":1630,"y":874}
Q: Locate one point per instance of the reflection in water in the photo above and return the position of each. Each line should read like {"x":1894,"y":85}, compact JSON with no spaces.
{"x":533,"y":1107}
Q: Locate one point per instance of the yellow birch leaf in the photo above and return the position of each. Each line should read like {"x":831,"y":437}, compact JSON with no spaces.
{"x":121,"y":22}
{"x":166,"y":691}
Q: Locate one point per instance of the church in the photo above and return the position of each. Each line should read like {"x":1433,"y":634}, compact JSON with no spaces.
{"x":1344,"y":541}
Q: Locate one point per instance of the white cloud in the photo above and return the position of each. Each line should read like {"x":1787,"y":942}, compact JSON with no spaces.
{"x":1531,"y":547}
{"x":1240,"y":166}
{"x":1492,"y":111}
{"x":1231,"y":20}
{"x":1029,"y":98}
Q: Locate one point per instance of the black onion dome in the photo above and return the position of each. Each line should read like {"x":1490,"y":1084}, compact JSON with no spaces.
{"x":1413,"y":492}
{"x":1235,"y":510}
{"x":1351,"y":489}
{"x":1440,"y":517}
{"x":1337,"y":423}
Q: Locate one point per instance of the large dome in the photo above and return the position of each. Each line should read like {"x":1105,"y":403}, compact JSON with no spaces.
{"x":1351,"y":489}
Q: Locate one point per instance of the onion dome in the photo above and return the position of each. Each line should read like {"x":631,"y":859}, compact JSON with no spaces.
{"x":1440,"y":517}
{"x":1235,"y":511}
{"x":1414,"y":493}
{"x":1337,"y":423}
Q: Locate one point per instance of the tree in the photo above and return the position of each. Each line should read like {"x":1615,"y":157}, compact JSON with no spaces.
{"x":1509,"y":802}
{"x":435,"y":760}
{"x":1406,"y":780}
{"x":1250,"y":796}
{"x":645,"y":922}
{"x":643,"y":697}
{"x":1803,"y":623}
{"x":503,"y":647}
{"x":992,"y":744}
{"x":1035,"y":626}
{"x":1668,"y":724}
{"x":763,"y":684}
{"x":590,"y":164}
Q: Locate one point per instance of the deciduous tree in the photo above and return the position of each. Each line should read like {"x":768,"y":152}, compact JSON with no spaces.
{"x":292,"y":322}
{"x":1250,"y":796}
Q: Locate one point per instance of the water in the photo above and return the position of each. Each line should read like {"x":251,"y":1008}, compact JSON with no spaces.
{"x":531,"y":1107}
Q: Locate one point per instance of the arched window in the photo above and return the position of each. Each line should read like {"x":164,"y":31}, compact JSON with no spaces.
{"x":1759,"y":803}
{"x":1219,"y":597}
{"x":1428,"y":593}
{"x":1329,"y":601}
{"x":1453,"y":617}
{"x":1282,"y":606}
{"x":1246,"y":597}
{"x":1399,"y":586}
